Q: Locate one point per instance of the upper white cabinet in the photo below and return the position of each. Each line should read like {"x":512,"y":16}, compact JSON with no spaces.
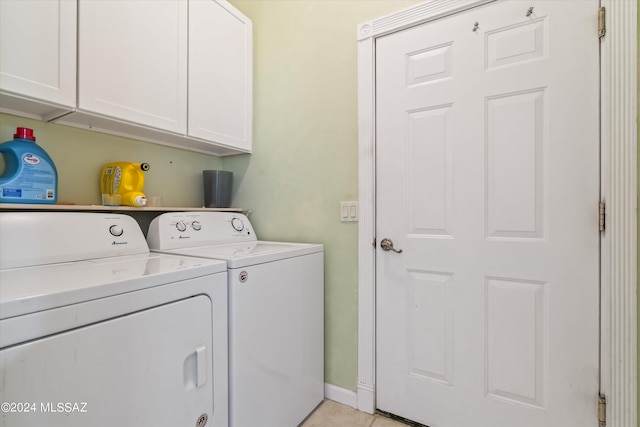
{"x":37,"y":57}
{"x":132,"y":61}
{"x":172,"y":72}
{"x":220,"y":73}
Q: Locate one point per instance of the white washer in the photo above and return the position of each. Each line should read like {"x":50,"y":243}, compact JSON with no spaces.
{"x":276,"y":313}
{"x":97,"y":331}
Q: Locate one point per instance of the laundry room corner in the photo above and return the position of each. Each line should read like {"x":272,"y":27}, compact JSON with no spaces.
{"x":300,"y":119}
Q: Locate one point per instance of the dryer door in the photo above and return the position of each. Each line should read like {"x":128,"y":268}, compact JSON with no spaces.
{"x":149,"y":368}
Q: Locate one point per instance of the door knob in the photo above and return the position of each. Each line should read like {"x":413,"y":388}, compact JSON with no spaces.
{"x":387,"y":245}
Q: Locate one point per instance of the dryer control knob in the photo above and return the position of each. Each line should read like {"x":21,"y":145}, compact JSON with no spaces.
{"x":237,"y":224}
{"x":181,"y":226}
{"x":196,"y":225}
{"x":116,"y":230}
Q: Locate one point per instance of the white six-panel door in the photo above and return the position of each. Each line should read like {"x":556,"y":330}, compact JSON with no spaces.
{"x":488,"y":181}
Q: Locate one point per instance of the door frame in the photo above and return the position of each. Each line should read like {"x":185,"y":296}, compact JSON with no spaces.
{"x":619,"y":189}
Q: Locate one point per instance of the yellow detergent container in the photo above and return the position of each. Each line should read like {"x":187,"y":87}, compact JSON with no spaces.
{"x":125,"y":179}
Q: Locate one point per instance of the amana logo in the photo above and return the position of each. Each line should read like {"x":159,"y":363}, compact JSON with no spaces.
{"x":119,"y":243}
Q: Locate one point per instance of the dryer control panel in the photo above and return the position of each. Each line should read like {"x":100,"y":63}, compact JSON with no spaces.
{"x":38,"y":238}
{"x":174,"y":230}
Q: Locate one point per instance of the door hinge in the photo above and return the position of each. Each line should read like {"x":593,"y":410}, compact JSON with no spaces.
{"x":602,"y":26}
{"x":602,"y":214}
{"x":374,"y":242}
{"x":602,"y":410}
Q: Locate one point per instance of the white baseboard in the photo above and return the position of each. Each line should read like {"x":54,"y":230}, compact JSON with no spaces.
{"x":341,"y":395}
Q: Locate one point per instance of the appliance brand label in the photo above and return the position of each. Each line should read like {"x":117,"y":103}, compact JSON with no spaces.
{"x":202,"y":420}
{"x":243,"y":276}
{"x":119,"y":243}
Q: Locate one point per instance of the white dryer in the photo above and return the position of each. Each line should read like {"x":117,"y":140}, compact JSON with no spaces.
{"x":276,"y":313}
{"x":97,"y":331}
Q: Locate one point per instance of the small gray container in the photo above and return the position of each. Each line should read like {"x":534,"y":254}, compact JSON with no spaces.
{"x":217,"y":188}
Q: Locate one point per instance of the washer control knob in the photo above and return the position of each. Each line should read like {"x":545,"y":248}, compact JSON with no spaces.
{"x":116,"y":230}
{"x":196,"y":225}
{"x":237,"y":224}
{"x":181,"y":226}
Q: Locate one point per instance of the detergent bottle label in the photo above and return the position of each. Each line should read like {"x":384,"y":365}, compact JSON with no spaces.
{"x":111,"y":179}
{"x":34,"y":182}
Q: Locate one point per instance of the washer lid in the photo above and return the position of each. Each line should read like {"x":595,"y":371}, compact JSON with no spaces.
{"x":30,"y":289}
{"x":250,"y":253}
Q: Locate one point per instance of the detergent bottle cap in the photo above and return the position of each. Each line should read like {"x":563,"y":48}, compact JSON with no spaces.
{"x":24,"y":133}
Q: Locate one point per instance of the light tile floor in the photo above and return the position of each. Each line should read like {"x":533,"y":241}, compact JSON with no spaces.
{"x":333,"y":414}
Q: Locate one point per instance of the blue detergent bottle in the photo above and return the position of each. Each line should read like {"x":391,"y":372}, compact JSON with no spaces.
{"x":29,"y":174}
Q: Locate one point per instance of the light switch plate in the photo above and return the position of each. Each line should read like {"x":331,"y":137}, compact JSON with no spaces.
{"x":348,"y":211}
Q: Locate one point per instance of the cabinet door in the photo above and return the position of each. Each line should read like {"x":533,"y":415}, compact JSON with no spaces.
{"x":220,"y":74}
{"x":133,"y":61}
{"x":37,"y":55}
{"x":149,"y":368}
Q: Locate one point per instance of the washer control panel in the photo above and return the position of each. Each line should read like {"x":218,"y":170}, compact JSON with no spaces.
{"x":173,"y":230}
